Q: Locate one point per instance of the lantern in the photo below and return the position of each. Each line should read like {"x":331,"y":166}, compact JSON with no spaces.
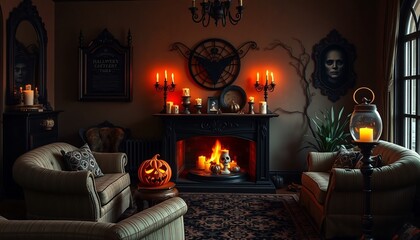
{"x":154,"y":172}
{"x":365,"y":122}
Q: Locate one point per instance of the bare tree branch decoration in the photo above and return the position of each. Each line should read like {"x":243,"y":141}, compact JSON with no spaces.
{"x":299,"y":62}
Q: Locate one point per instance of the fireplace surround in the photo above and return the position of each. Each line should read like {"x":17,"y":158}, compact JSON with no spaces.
{"x":186,"y":136}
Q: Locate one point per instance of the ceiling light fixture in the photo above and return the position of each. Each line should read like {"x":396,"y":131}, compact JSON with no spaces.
{"x":218,"y":10}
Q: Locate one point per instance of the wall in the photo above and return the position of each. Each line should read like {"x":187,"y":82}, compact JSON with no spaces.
{"x":156,"y":24}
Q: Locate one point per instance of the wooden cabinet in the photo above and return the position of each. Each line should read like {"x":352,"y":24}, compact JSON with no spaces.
{"x":23,"y":131}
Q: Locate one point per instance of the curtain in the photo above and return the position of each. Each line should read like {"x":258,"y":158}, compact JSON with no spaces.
{"x":390,"y":34}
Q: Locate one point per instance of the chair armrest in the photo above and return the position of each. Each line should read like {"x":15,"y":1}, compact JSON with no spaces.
{"x":111,"y":162}
{"x":320,"y":161}
{"x":165,"y":217}
{"x":53,"y":181}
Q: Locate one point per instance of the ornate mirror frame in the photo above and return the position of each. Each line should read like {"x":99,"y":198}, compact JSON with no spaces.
{"x":34,"y":53}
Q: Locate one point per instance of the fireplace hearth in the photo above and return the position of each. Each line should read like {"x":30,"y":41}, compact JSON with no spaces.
{"x":189,"y":137}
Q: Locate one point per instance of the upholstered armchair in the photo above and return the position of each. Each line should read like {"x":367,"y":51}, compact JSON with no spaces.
{"x":105,"y":137}
{"x":51,"y":191}
{"x":162,"y":221}
{"x":333,"y":197}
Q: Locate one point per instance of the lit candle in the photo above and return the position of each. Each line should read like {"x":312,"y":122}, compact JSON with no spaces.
{"x":20,"y":90}
{"x":28,"y":87}
{"x":266,"y":76}
{"x":157,"y":77}
{"x":258,"y":78}
{"x":198,"y":101}
{"x":240,"y":3}
{"x":169,"y":106}
{"x":28,"y":97}
{"x":272,"y":78}
{"x":166,"y":75}
{"x":263,"y":107}
{"x":173,"y":78}
{"x":201,"y":162}
{"x":207,"y":166}
{"x":366,"y":134}
{"x":186,"y":92}
{"x":251,"y":99}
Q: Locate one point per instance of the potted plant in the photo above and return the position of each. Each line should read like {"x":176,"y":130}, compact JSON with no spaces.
{"x":330,"y":131}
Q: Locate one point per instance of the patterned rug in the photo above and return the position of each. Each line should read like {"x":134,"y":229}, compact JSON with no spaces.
{"x":226,"y":216}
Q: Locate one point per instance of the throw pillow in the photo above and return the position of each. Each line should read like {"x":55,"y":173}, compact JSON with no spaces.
{"x":346,"y":158}
{"x":82,"y":159}
{"x":376,"y":161}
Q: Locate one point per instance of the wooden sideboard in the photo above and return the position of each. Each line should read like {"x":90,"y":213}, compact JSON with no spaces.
{"x":23,"y":131}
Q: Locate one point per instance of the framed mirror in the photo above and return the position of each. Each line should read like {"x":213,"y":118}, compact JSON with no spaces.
{"x":26,"y":54}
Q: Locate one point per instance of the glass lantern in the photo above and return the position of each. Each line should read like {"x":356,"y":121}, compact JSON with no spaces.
{"x":365,"y":122}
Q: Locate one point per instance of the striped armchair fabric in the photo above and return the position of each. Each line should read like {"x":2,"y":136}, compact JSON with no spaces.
{"x":333,"y":196}
{"x":51,"y":192}
{"x":162,"y":221}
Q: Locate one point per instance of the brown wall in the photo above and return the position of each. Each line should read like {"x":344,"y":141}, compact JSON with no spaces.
{"x":156,"y":24}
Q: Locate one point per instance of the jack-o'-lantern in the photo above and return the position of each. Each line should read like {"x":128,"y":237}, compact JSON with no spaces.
{"x":154,"y":172}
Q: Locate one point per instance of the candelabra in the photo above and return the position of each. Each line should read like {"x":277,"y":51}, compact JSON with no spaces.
{"x":266,"y":87}
{"x":165,"y":89}
{"x":218,"y":10}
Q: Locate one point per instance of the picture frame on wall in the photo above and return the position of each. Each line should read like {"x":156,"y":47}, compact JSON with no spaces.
{"x":212,"y":105}
{"x":334,"y":59}
{"x":105,"y":69}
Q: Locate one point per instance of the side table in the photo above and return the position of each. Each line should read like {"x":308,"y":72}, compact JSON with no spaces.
{"x":149,"y":196}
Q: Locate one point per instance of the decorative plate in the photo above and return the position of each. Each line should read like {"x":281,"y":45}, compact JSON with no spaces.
{"x":233,"y":93}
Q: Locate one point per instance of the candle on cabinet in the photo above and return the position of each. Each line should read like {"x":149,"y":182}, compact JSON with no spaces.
{"x":186,"y":92}
{"x":28,"y":97}
{"x":366,"y":134}
{"x":198,"y":101}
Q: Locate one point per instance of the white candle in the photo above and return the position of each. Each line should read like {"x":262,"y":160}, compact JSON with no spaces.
{"x":193,"y":3}
{"x":263,"y":107}
{"x":28,"y":97}
{"x":258,"y":77}
{"x":251,"y":99}
{"x":186,"y":92}
{"x":266,"y":76}
{"x":366,"y":134}
{"x":198,"y":101}
{"x":272,"y":78}
{"x":175,"y":109}
{"x":240,"y":3}
{"x":169,"y":106}
{"x":201,"y":162}
{"x":173,"y":79}
{"x":166,"y":75}
{"x":157,"y":77}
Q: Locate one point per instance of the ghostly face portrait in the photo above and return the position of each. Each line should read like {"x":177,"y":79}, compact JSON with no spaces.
{"x":334,"y":64}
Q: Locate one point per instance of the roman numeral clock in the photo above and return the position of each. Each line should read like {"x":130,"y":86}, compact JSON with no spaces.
{"x":214,"y":63}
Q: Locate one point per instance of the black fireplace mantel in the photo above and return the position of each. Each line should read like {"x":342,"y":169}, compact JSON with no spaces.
{"x":253,"y":127}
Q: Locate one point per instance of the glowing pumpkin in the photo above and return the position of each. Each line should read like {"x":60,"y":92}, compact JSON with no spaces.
{"x":154,"y":172}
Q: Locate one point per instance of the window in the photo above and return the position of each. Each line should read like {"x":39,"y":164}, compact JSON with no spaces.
{"x":407,"y":106}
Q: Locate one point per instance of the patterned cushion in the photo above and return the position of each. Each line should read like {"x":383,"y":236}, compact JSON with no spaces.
{"x":376,"y":161}
{"x":346,"y":158}
{"x":82,"y":159}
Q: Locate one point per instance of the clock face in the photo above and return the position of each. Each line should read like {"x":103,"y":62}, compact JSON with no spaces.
{"x":214,"y":64}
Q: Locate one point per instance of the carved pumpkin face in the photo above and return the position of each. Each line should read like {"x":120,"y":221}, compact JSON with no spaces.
{"x":154,"y":172}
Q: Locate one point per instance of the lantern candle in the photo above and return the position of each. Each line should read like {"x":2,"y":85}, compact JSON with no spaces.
{"x":201,"y":162}
{"x":186,"y":92}
{"x":366,"y":134}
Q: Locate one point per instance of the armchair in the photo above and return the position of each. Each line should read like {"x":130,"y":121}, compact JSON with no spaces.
{"x":51,"y":192}
{"x":162,"y":221}
{"x":333,"y":196}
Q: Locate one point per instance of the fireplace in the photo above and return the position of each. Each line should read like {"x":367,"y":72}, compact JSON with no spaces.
{"x":189,"y":137}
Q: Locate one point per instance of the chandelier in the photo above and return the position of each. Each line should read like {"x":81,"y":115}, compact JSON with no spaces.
{"x":218,"y":10}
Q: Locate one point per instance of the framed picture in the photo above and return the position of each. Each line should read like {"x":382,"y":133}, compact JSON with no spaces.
{"x":334,"y":59}
{"x":212,"y":105}
{"x":105,"y":69}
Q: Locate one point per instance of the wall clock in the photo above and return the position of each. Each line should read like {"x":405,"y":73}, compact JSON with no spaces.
{"x":214,"y":64}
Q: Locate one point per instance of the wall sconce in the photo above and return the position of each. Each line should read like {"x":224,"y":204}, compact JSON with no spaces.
{"x":365,"y":129}
{"x":216,"y":9}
